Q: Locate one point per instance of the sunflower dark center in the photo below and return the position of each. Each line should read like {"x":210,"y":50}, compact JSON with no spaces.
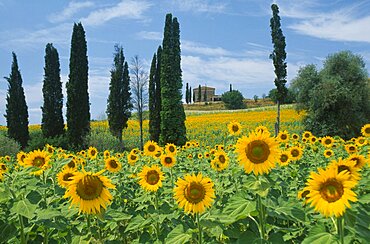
{"x":283,"y":136}
{"x":171,"y":149}
{"x":67,"y":177}
{"x":235,"y":128}
{"x":71,"y":164}
{"x":50,"y":150}
{"x":133,"y":157}
{"x":195,"y":192}
{"x":93,"y":152}
{"x":152,"y":177}
{"x":113,"y":164}
{"x":307,"y":135}
{"x":313,"y":139}
{"x":3,"y":167}
{"x":328,"y":153}
{"x":295,"y":137}
{"x":342,"y":168}
{"x":305,"y":193}
{"x":327,"y":142}
{"x":168,"y":160}
{"x":284,"y":158}
{"x":222,"y":159}
{"x":151,"y":148}
{"x":90,"y":187}
{"x":367,"y":130}
{"x":257,"y":151}
{"x":331,"y":190}
{"x":38,"y":162}
{"x":295,"y":152}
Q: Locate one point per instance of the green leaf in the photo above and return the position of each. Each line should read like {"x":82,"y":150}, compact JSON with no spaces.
{"x":34,"y":197}
{"x":7,"y":231}
{"x":320,"y":238}
{"x":80,"y":240}
{"x":47,"y":214}
{"x":137,"y":223}
{"x":239,"y":207}
{"x":178,"y":236}
{"x":290,"y":213}
{"x":365,"y":199}
{"x":24,"y":208}
{"x":5,"y":195}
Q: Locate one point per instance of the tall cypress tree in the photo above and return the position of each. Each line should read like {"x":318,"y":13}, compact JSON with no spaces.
{"x":190,"y":95}
{"x":199,"y":93}
{"x":152,"y":98}
{"x":187,"y":93}
{"x":118,"y":104}
{"x":16,"y":107}
{"x":173,"y":128}
{"x":52,"y":123}
{"x":278,"y":57}
{"x":205,"y":93}
{"x":156,"y":123}
{"x":78,"y":106}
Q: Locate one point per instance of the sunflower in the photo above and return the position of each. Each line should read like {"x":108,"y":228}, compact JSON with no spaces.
{"x":168,"y":160}
{"x":296,"y":152}
{"x":295,"y":136}
{"x":360,"y":160}
{"x":106,"y":154}
{"x":92,"y":153}
{"x":188,"y":144}
{"x":82,"y":153}
{"x":200,"y":155}
{"x":258,"y":152}
{"x":151,"y":178}
{"x":365,"y":130}
{"x":313,"y":139}
{"x":7,"y":158}
{"x":190,"y":156}
{"x":346,"y":165}
{"x":327,"y":141}
{"x":220,"y":161}
{"x":132,"y":158}
{"x":151,"y":148}
{"x":235,"y":128}
{"x":194,"y":193}
{"x":21,"y":157}
{"x":283,"y":136}
{"x":135,"y":150}
{"x":328,"y":153}
{"x":262,"y":129}
{"x":170,"y":149}
{"x":284,"y":158}
{"x":1,"y":176}
{"x":351,"y":148}
{"x":330,"y":191}
{"x":361,"y":141}
{"x":306,"y":134}
{"x":303,"y":195}
{"x":112,"y":164}
{"x":65,"y":177}
{"x":207,"y":154}
{"x":3,"y":168}
{"x":49,"y":148}
{"x":89,"y":191}
{"x":38,"y":159}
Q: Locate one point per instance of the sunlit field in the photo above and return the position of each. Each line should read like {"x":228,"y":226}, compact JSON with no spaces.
{"x":233,"y":182}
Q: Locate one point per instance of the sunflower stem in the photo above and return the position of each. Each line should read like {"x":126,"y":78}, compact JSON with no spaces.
{"x":156,"y":222}
{"x":99,"y":230}
{"x":199,"y":229}
{"x":340,"y":227}
{"x":261,"y":217}
{"x":46,"y":237}
{"x":23,"y":238}
{"x":171,"y":175}
{"x":88,"y":223}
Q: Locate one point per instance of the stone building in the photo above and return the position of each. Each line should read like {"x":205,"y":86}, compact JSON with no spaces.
{"x":210,"y":97}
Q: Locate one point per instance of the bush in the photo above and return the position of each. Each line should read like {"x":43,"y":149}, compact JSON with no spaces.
{"x":38,"y":141}
{"x":233,"y":100}
{"x":8,"y":146}
{"x":338,"y":100}
{"x":103,"y":140}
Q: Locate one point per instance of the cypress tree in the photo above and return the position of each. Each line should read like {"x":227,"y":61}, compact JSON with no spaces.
{"x":205,"y":93}
{"x":156,"y":121}
{"x":231,"y":87}
{"x":16,"y":107}
{"x":187,"y":93}
{"x":199,"y":93}
{"x":78,"y":106}
{"x":173,"y":128}
{"x":52,"y":123}
{"x":190,"y":95}
{"x":118,"y":105}
{"x":152,"y":98}
{"x":193,"y":97}
{"x":278,"y":56}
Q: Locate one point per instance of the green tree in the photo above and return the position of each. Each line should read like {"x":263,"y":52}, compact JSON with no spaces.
{"x":278,"y":57}
{"x":152,"y":100}
{"x":205,"y":94}
{"x":78,"y":106}
{"x":190,"y":95}
{"x":233,"y":99}
{"x":199,"y":93}
{"x":339,"y":101}
{"x":52,"y":123}
{"x":119,"y":99}
{"x":231,"y":87}
{"x":16,"y":107}
{"x":187,"y":93}
{"x":255,"y":98}
{"x":173,"y":128}
{"x":158,"y":97}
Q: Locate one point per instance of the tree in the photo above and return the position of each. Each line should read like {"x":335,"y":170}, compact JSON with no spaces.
{"x":205,"y":94}
{"x":78,"y":106}
{"x":187,"y":93}
{"x":16,"y":107}
{"x":119,"y":99}
{"x":155,"y":97}
{"x":173,"y":128}
{"x":52,"y":123}
{"x":194,"y":97}
{"x":339,"y":103}
{"x":263,"y":96}
{"x":233,"y":99}
{"x":199,"y":93}
{"x":139,"y":84}
{"x":190,"y":95}
{"x":231,"y":87}
{"x":255,"y":98}
{"x":278,"y":57}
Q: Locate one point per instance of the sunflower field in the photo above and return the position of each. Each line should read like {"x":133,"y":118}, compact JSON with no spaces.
{"x":232,"y":182}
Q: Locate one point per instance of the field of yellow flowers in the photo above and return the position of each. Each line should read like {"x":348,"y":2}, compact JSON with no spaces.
{"x":232,"y":182}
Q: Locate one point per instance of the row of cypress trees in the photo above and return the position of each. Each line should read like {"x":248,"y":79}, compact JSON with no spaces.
{"x":166,"y":113}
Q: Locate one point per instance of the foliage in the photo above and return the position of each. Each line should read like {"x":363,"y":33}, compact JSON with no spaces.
{"x":255,"y":98}
{"x":337,"y":99}
{"x":233,"y":99}
{"x":52,"y":123}
{"x":288,"y":99}
{"x":155,"y":97}
{"x":8,"y":146}
{"x":173,"y":128}
{"x":38,"y":141}
{"x":119,"y":99}
{"x":78,"y":106}
{"x":103,"y":140}
{"x":16,"y":107}
{"x":199,"y":93}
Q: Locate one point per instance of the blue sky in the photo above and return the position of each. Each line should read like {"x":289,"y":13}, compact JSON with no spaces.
{"x":222,"y":42}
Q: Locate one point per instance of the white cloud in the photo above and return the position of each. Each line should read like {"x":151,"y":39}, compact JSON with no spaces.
{"x":69,"y":11}
{"x":125,"y":9}
{"x":200,"y":6}
{"x":150,"y":35}
{"x":198,"y":48}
